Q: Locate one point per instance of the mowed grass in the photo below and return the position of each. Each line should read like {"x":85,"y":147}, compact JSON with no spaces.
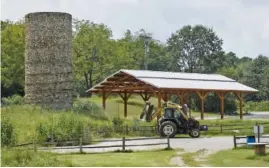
{"x":158,"y":158}
{"x":238,"y":158}
{"x":115,"y":106}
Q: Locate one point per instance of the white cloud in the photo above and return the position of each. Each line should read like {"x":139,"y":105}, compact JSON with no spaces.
{"x":242,"y":24}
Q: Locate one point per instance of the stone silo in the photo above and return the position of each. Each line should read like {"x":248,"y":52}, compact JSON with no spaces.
{"x":48,"y":59}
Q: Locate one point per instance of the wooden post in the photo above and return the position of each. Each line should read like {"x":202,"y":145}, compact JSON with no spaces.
{"x":202,"y":96}
{"x":145,"y":97}
{"x":125,"y":104}
{"x":104,"y":100}
{"x":241,"y":108}
{"x":234,"y":141}
{"x":159,"y":104}
{"x":165,"y":97}
{"x":80,"y":145}
{"x":123,"y":144}
{"x":221,"y":96}
{"x":168,"y":142}
{"x":240,"y":98}
{"x":180,"y":95}
{"x":125,"y":98}
{"x":202,"y":108}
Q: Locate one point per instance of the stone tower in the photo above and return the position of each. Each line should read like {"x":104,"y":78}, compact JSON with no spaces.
{"x":48,"y":59}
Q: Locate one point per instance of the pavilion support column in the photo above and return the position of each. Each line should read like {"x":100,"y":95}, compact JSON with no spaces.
{"x":185,"y":98}
{"x":145,"y":96}
{"x":239,"y":95}
{"x":202,"y":95}
{"x":104,"y":95}
{"x":221,"y":96}
{"x":159,"y":105}
{"x":165,"y":96}
{"x":180,"y":95}
{"x":125,"y":98}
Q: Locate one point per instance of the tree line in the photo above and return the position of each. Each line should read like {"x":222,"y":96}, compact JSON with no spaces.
{"x":96,"y":54}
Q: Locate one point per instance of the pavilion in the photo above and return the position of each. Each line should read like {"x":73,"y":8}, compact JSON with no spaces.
{"x":162,"y":84}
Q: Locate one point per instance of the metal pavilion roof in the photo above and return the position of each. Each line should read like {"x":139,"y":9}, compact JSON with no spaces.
{"x":179,"y":80}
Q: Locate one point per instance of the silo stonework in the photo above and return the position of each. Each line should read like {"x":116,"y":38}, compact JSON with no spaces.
{"x":48,"y":59}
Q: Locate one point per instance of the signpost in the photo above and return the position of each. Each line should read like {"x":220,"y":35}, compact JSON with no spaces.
{"x":258,"y":130}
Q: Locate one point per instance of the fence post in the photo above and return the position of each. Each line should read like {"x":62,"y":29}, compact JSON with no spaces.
{"x":168,"y":142}
{"x":220,"y":128}
{"x":34,"y":146}
{"x":123,"y":144}
{"x":259,"y":133}
{"x":234,"y":141}
{"x":80,"y":145}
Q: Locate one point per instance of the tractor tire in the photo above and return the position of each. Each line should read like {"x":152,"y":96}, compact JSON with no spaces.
{"x":168,"y":129}
{"x":194,"y":133}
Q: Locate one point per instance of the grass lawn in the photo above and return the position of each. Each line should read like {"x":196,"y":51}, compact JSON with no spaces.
{"x":115,"y":106}
{"x":238,"y":158}
{"x":146,"y":159}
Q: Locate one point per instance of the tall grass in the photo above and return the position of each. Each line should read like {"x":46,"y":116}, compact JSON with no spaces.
{"x":29,"y":158}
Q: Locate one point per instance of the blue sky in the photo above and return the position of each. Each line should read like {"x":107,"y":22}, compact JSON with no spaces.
{"x":242,"y":24}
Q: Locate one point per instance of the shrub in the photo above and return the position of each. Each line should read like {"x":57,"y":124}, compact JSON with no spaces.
{"x":257,"y":106}
{"x":7,"y":133}
{"x":13,"y":100}
{"x":105,"y":131}
{"x":63,"y":127}
{"x":117,"y":122}
{"x":89,"y":108}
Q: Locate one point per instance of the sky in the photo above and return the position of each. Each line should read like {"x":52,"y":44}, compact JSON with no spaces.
{"x":242,"y":24}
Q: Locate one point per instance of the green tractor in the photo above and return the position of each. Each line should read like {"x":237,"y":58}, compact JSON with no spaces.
{"x":173,"y":121}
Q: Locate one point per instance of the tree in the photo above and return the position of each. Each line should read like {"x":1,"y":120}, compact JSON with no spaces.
{"x":12,"y":65}
{"x":195,"y":49}
{"x":92,"y":52}
{"x":256,"y":76}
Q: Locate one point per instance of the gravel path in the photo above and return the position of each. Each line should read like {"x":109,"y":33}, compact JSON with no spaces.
{"x":188,"y":144}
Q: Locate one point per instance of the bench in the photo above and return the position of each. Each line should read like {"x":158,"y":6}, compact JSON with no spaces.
{"x":259,"y":148}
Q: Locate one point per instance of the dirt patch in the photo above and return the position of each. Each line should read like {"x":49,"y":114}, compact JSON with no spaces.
{"x":177,"y":160}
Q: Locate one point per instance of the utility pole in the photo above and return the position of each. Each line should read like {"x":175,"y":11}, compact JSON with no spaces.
{"x":146,"y":46}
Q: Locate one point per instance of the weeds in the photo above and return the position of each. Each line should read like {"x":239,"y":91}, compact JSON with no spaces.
{"x":29,"y":158}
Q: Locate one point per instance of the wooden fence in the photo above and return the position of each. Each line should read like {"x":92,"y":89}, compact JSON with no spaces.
{"x":224,"y":128}
{"x":236,"y":143}
{"x":122,"y":145}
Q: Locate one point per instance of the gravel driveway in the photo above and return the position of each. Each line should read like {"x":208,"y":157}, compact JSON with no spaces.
{"x":212,"y":144}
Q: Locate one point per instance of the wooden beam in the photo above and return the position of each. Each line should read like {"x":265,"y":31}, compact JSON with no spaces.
{"x":202,"y":95}
{"x":145,"y":96}
{"x":125,"y":104}
{"x":239,"y":95}
{"x":165,"y":96}
{"x":125,"y":98}
{"x":221,"y":96}
{"x":180,"y":96}
{"x":104,"y":100}
{"x":159,"y":104}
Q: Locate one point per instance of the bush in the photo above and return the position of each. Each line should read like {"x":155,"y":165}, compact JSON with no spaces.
{"x":29,"y":158}
{"x":117,"y":122}
{"x":7,"y":133}
{"x":13,"y":100}
{"x":257,"y":106}
{"x":89,"y":108}
{"x":64,"y":127}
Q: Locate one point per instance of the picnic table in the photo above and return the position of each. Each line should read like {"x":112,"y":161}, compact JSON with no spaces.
{"x":259,"y":147}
